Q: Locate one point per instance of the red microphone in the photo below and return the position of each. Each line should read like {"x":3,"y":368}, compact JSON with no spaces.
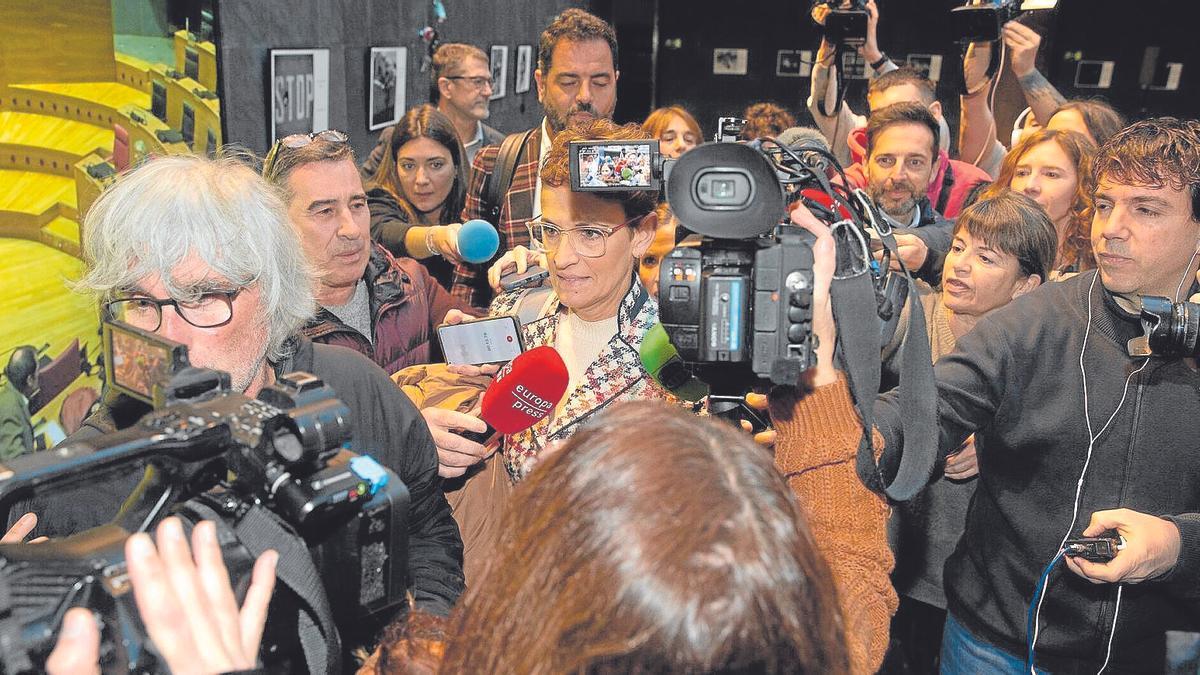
{"x":525,"y":391}
{"x":825,"y":200}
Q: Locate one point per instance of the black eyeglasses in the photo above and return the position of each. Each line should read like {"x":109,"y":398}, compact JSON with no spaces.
{"x":479,"y":82}
{"x":210,"y":309}
{"x":297,"y":141}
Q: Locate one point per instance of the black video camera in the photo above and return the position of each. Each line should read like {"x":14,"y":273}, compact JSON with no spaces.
{"x":846,"y":23}
{"x":1172,"y":329}
{"x":735,"y":297}
{"x":983,"y":22}
{"x":272,"y":472}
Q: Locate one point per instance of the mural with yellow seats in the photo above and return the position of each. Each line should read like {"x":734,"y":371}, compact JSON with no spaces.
{"x":88,"y":88}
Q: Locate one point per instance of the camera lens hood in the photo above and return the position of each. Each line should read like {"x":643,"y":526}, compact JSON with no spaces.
{"x":725,"y":191}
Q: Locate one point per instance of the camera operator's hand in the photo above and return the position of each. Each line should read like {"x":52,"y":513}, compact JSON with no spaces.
{"x":455,"y":453}
{"x":824,"y":263}
{"x":78,"y":648}
{"x":21,"y":529}
{"x":765,"y":438}
{"x":518,"y":259}
{"x":186,"y":603}
{"x":1152,"y":546}
{"x":975,"y":65}
{"x":963,"y":464}
{"x":911,"y":249}
{"x":819,"y":12}
{"x":870,"y":49}
{"x":1022,"y":42}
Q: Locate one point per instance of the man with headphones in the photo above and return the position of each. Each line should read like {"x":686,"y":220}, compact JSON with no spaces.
{"x":1087,"y":451}
{"x":1080,"y":432}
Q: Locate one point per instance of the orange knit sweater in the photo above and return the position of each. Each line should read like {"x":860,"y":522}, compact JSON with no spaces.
{"x":815,"y":450}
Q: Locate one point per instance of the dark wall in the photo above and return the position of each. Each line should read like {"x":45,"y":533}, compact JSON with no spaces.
{"x":249,"y":29}
{"x":1090,"y":29}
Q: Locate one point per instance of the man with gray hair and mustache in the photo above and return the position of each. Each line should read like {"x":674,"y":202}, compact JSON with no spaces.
{"x":201,"y":252}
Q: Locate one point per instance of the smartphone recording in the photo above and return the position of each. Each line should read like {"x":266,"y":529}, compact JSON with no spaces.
{"x":493,"y":340}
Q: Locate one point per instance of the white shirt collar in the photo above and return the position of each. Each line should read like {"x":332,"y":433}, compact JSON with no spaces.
{"x":478,"y":135}
{"x":543,"y":150}
{"x":547,"y":141}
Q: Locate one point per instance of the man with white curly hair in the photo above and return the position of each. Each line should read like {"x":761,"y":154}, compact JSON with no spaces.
{"x":200,"y":251}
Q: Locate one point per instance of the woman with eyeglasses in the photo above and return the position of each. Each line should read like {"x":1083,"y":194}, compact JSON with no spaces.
{"x":417,"y":192}
{"x":595,"y":313}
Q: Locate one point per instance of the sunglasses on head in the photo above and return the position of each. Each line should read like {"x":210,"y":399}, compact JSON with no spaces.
{"x":297,"y":141}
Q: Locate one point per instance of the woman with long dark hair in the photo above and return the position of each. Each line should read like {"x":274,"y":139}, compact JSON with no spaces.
{"x":416,"y":194}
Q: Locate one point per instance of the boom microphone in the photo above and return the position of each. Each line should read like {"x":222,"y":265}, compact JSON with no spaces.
{"x":803,"y":138}
{"x":524,"y":392}
{"x":478,"y":241}
{"x":800,"y":139}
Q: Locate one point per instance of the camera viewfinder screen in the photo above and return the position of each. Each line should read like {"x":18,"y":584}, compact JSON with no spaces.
{"x":617,"y":165}
{"x":137,"y":364}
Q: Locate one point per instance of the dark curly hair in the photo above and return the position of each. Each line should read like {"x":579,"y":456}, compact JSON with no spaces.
{"x":1159,"y":152}
{"x":765,"y":119}
{"x":574,"y":25}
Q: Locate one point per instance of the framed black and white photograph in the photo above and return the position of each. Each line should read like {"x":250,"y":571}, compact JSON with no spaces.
{"x":299,"y":91}
{"x":929,"y":65}
{"x":1094,"y":74}
{"x":388,"y":68}
{"x":728,"y":61}
{"x":793,"y":63}
{"x":524,"y":68}
{"x":499,"y":71}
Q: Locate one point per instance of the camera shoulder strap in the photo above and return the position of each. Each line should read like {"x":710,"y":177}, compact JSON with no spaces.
{"x":855,"y":311}
{"x":259,"y":530}
{"x":498,"y":182}
{"x":839,"y":83}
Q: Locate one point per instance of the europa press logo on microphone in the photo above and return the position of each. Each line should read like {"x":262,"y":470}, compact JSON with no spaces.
{"x":529,"y":403}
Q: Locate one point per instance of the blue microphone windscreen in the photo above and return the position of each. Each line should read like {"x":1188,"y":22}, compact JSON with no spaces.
{"x":478,"y":241}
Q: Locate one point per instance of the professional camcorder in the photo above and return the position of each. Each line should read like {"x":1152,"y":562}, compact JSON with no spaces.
{"x":273,"y":472}
{"x":982,"y":22}
{"x":735,"y":297}
{"x":846,"y":23}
